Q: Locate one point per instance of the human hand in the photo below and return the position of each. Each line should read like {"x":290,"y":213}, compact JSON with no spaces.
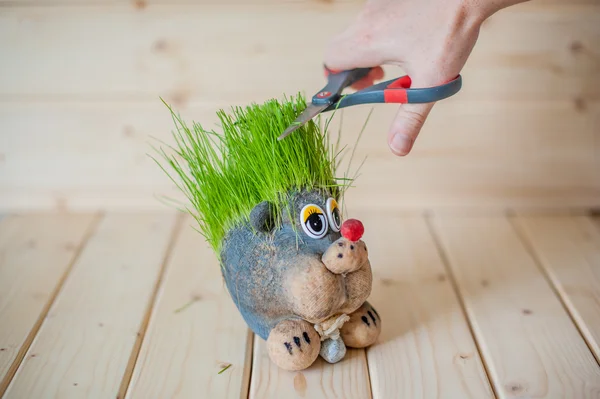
{"x":430,"y":40}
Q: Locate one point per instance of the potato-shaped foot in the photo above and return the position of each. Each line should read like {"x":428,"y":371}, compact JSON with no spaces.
{"x":363,"y":328}
{"x":293,"y":345}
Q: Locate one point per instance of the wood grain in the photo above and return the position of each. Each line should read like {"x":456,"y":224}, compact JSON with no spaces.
{"x":348,"y":379}
{"x":487,"y":155}
{"x":84,"y":344}
{"x":569,"y":250}
{"x":426,"y":349}
{"x":531,"y":346}
{"x":79,"y":121}
{"x":188,"y":52}
{"x":195,"y":331}
{"x":36,"y":251}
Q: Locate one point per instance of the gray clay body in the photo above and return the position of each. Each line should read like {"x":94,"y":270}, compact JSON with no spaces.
{"x":277,"y":274}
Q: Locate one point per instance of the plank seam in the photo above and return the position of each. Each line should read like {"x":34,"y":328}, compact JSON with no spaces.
{"x":251,"y":383}
{"x":446,"y":262}
{"x":531,"y":250}
{"x":366,"y":359}
{"x":17,"y":363}
{"x":249,"y":360}
{"x":137,"y":346}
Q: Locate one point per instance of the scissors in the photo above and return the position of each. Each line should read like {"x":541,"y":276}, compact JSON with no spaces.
{"x":396,"y":91}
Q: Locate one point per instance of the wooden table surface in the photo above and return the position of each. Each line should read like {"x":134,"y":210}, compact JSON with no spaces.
{"x":133,"y":305}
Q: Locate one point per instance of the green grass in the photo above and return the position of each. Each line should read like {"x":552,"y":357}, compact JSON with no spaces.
{"x":224,"y":175}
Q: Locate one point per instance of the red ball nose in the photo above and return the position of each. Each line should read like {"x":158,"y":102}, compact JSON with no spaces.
{"x":352,"y":229}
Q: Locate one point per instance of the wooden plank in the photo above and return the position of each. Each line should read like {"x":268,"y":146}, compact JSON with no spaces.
{"x":492,"y":154}
{"x":186,"y":52}
{"x":528,"y":341}
{"x":426,"y":349}
{"x":84,"y":345}
{"x":347,"y":379}
{"x":195,"y":331}
{"x":569,"y":250}
{"x":36,"y":252}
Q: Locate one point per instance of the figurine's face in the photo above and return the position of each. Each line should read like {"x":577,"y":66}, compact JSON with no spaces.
{"x":325,"y":273}
{"x":317,"y":219}
{"x":336,"y":276}
{"x":313,"y":218}
{"x":316,"y":222}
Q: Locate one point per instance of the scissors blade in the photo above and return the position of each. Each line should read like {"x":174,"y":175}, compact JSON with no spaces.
{"x":309,"y":112}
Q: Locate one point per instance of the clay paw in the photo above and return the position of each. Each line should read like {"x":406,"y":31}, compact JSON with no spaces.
{"x":363,"y":328}
{"x":293,"y":345}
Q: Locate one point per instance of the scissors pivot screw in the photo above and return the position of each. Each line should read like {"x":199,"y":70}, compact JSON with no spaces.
{"x":324,"y":94}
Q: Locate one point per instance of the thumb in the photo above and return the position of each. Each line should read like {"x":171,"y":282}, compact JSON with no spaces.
{"x":407,"y":126}
{"x":411,"y":117}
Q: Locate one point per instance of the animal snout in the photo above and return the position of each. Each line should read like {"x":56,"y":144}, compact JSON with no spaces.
{"x":348,"y":253}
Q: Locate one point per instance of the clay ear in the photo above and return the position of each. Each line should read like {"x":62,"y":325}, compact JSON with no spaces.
{"x":262,"y":217}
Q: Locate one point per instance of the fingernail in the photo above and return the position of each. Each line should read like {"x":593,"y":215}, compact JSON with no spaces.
{"x":401,"y":144}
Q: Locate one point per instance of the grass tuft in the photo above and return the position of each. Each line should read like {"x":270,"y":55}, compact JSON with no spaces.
{"x":225,"y":175}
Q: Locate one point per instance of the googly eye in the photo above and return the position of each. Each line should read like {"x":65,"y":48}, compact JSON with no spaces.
{"x":313,"y":221}
{"x":333,"y":214}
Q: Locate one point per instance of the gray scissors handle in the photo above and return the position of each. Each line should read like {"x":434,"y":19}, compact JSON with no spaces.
{"x":398,"y":91}
{"x":337,"y":81}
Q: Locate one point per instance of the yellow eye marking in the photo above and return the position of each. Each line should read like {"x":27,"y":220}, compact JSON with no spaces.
{"x":334,"y":204}
{"x":309,"y":210}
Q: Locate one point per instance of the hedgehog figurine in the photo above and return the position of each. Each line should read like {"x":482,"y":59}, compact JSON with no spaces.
{"x":297,"y":272}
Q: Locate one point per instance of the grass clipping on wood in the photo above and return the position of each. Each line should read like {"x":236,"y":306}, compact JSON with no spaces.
{"x":225,"y":175}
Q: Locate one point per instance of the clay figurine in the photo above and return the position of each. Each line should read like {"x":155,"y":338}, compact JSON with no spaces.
{"x":298,"y":273}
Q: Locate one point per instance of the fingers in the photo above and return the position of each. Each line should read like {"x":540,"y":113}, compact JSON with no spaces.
{"x":407,"y":126}
{"x":375,"y":74}
{"x":348,"y":52}
{"x":356,"y":47}
{"x":359,"y":47}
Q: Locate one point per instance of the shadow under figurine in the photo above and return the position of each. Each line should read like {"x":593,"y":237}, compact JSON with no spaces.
{"x":299,"y":275}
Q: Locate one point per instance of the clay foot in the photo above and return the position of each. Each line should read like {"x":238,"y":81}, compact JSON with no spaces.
{"x":333,"y":350}
{"x":363,"y":328}
{"x":293,"y":345}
